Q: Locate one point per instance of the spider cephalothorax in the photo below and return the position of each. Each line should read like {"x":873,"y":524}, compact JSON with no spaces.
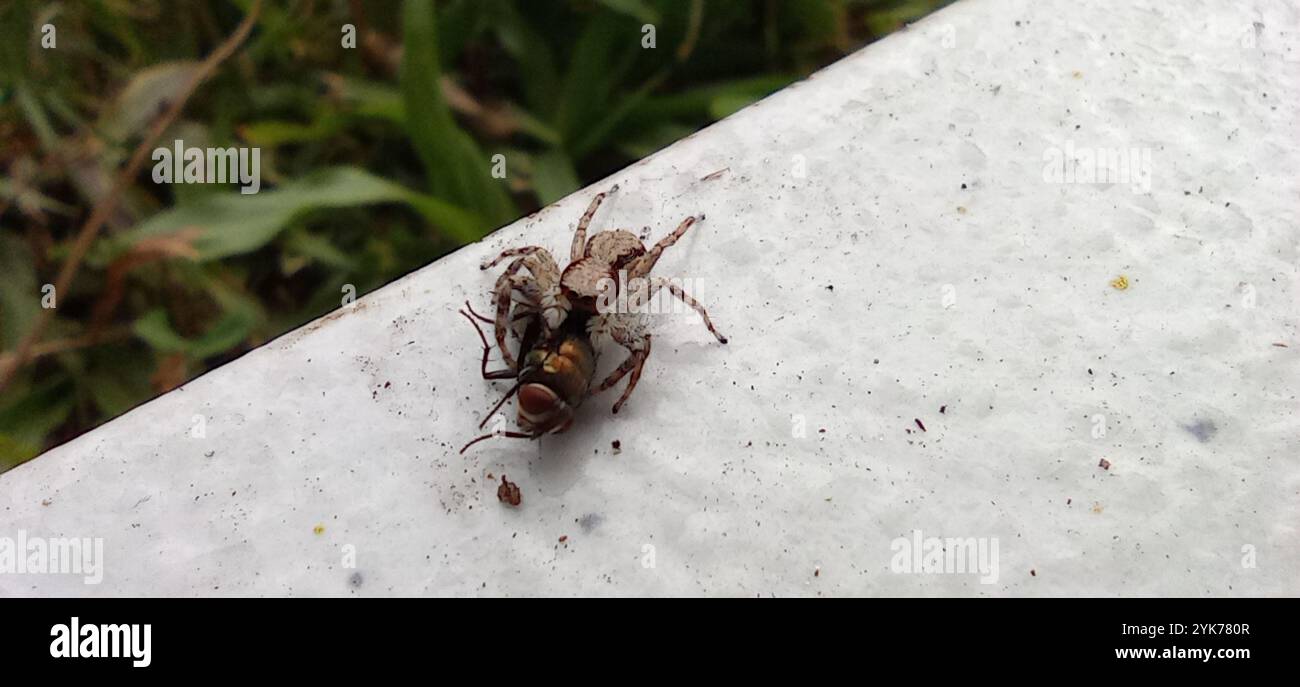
{"x":584,"y":288}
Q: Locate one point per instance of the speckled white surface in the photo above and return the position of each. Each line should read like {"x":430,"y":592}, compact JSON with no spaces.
{"x":992,"y":300}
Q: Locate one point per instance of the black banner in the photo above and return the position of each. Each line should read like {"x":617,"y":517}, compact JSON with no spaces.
{"x":1063,"y":637}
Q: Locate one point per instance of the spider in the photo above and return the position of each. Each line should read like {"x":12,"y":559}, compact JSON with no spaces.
{"x":588,"y":286}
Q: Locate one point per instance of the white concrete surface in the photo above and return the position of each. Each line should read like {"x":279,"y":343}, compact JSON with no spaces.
{"x":992,"y":300}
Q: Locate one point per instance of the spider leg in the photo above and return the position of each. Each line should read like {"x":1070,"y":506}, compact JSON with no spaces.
{"x":502,"y":292}
{"x":659,"y":283}
{"x":638,"y":351}
{"x":545,"y":279}
{"x":642,"y":265}
{"x":510,"y":253}
{"x":527,"y":310}
{"x":532,"y":296}
{"x":544,"y":290}
{"x":580,"y":236}
{"x":529,"y":302}
{"x":618,"y":373}
{"x":514,"y":318}
{"x":494,"y":374}
{"x":640,"y":357}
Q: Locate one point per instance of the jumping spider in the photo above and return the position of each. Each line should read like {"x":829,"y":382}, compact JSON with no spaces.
{"x":574,"y":305}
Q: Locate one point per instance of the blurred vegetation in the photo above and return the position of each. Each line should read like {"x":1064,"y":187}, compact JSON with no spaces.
{"x":375,"y":160}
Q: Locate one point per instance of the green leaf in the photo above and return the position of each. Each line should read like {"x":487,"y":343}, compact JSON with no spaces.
{"x":637,"y":9}
{"x":728,"y":104}
{"x":592,"y":73}
{"x":30,"y":196}
{"x":20,"y":294}
{"x":370,"y":99}
{"x":109,"y":394}
{"x":654,"y":139}
{"x":14,"y":451}
{"x":230,"y":331}
{"x":156,"y":330}
{"x":146,"y":95}
{"x":456,"y":169}
{"x":378,"y":101}
{"x":212,"y":280}
{"x":271,"y":133}
{"x":599,"y":133}
{"x":26,"y":420}
{"x":460,"y":23}
{"x":118,"y":378}
{"x":819,"y":22}
{"x":699,"y":101}
{"x":554,"y":176}
{"x":36,"y":117}
{"x":532,"y":55}
{"x":885,"y":21}
{"x":235,"y":223}
{"x":318,"y":248}
{"x":534,"y":127}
